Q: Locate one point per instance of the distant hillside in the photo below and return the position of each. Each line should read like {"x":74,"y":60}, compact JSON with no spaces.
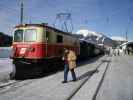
{"x":5,"y":40}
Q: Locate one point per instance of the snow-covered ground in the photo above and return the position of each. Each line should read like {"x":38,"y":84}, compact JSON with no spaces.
{"x":5,"y":52}
{"x":5,"y":63}
{"x":51,"y":87}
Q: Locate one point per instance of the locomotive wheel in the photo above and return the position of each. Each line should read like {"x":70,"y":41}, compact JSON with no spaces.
{"x":55,"y":65}
{"x":34,"y":70}
{"x":28,"y":71}
{"x":18,"y":71}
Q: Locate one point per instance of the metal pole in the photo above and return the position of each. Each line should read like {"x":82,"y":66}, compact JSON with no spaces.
{"x":21,"y":12}
{"x":126,"y":37}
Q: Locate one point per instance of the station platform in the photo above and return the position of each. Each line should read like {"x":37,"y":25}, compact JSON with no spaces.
{"x":88,"y":73}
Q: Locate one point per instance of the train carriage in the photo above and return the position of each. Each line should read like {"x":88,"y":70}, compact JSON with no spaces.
{"x":89,"y":49}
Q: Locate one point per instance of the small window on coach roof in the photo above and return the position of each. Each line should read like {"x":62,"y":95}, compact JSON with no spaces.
{"x":59,"y":39}
{"x":18,"y":36}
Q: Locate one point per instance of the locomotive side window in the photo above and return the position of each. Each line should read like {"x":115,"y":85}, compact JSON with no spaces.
{"x":18,"y":36}
{"x":59,"y":38}
{"x":47,"y":36}
{"x":30,"y":35}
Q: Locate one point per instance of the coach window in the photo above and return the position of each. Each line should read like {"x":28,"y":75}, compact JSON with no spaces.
{"x":75,"y":43}
{"x":59,"y":39}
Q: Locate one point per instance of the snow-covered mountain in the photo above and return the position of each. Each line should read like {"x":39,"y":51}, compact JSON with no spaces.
{"x":89,"y":33}
{"x":95,"y":37}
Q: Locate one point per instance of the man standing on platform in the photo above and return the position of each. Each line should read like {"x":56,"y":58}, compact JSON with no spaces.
{"x":69,"y":59}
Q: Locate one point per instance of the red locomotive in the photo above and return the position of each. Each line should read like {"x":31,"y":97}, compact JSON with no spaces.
{"x":37,"y":45}
{"x":34,"y":43}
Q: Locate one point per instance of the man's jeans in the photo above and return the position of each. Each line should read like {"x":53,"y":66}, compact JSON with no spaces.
{"x":66,"y":70}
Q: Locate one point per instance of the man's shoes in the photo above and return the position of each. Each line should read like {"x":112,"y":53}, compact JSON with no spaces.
{"x":74,"y":80}
{"x":64,"y":81}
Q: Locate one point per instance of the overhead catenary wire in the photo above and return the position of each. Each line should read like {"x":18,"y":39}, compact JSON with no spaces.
{"x":16,"y":12}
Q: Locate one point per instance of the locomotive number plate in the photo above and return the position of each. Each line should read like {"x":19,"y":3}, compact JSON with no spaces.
{"x":23,"y":50}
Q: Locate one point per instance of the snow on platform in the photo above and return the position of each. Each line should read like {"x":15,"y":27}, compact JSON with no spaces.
{"x":51,"y":88}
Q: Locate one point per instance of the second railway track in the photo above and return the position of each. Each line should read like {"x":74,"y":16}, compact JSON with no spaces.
{"x":85,"y":81}
{"x":14,"y":84}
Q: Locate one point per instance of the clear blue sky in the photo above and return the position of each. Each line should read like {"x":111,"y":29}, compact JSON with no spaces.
{"x":111,"y":17}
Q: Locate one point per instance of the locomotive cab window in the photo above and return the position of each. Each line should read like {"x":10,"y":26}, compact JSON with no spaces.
{"x":59,"y":39}
{"x":30,"y":35}
{"x":18,"y":36}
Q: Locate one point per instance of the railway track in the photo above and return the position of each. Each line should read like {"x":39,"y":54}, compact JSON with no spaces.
{"x":14,"y":84}
{"x":86,"y":80}
{"x":101,"y":80}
